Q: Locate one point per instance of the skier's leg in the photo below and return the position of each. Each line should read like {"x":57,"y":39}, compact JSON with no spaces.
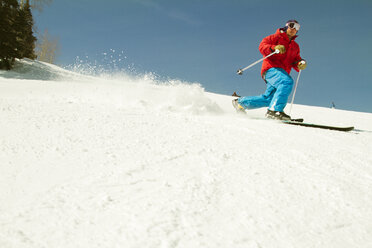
{"x":283,"y":83}
{"x":253,"y":102}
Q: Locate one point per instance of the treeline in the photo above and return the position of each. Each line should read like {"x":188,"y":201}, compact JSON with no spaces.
{"x":16,"y":35}
{"x":17,"y":38}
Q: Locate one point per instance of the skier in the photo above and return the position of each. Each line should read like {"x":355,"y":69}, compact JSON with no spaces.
{"x":275,"y":72}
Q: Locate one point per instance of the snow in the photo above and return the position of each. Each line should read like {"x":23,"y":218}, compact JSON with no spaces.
{"x":128,"y":161}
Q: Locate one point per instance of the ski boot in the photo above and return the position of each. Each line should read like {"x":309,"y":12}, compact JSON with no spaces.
{"x":239,"y":108}
{"x":277,"y":115}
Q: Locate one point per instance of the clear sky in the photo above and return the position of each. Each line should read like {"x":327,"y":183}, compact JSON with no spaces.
{"x":206,"y":41}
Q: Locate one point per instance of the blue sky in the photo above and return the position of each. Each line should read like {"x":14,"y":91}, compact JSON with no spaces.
{"x":206,"y":41}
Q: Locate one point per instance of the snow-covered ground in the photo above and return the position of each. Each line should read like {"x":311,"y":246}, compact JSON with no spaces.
{"x":130,"y":162}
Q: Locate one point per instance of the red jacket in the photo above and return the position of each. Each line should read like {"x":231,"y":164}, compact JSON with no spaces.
{"x":285,"y":61}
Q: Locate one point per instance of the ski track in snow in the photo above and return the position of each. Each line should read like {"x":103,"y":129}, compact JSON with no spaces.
{"x":106,"y":163}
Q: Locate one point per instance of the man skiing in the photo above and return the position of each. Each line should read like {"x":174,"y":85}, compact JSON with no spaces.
{"x":275,"y":71}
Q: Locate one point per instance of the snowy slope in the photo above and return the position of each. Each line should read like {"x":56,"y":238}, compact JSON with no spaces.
{"x":131,"y":162}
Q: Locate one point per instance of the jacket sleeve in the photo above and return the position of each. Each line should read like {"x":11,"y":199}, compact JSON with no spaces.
{"x":268,"y":44}
{"x":297,"y":59}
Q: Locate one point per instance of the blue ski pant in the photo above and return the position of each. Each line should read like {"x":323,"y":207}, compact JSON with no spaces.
{"x":279,"y":86}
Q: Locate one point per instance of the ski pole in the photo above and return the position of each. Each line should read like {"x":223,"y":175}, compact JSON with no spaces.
{"x":240,"y":71}
{"x":294,"y":93}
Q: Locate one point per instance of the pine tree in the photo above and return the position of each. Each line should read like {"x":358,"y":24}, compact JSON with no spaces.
{"x":8,"y":34}
{"x":16,"y":35}
{"x":25,"y":34}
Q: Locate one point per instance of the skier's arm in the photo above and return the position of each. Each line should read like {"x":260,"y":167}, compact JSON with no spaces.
{"x":268,"y":44}
{"x":297,"y":60}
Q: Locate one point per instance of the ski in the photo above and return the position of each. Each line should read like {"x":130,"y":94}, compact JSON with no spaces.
{"x":298,"y":120}
{"x":240,"y":110}
{"x":344,"y":129}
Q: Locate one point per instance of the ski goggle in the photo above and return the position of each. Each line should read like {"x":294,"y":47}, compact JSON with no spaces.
{"x":293,"y":25}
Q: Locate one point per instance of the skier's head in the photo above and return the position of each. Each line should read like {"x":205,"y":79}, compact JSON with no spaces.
{"x":292,"y":24}
{"x":291,"y":28}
